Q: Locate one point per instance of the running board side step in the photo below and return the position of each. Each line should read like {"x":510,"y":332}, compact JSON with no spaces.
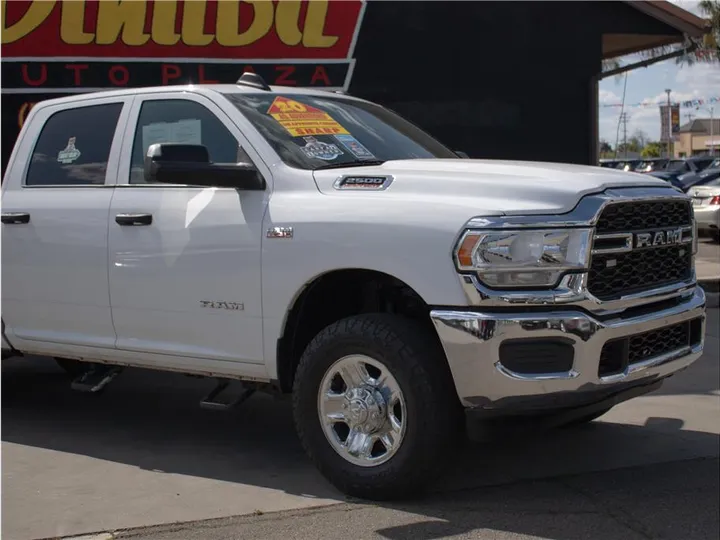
{"x":96,"y":378}
{"x":211,"y":401}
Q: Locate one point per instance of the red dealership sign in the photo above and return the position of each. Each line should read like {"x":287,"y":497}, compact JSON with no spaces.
{"x":81,"y":45}
{"x":230,"y":29}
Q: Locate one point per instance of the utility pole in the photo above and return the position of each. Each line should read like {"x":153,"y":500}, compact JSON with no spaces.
{"x":624,"y":120}
{"x":712,"y":132}
{"x":689,"y":116}
{"x":669,"y":122}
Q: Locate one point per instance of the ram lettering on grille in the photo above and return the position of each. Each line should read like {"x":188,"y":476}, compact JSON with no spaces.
{"x":647,"y":244}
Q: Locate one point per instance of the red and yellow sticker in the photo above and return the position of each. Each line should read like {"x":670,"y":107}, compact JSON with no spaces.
{"x":302,"y":120}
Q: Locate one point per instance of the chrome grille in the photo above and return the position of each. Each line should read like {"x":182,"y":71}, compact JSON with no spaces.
{"x":634,"y":216}
{"x":615,"y":274}
{"x":617,"y":354}
{"x":657,"y":342}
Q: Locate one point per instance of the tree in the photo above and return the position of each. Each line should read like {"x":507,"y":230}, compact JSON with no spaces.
{"x":634,"y":143}
{"x":640,"y":137}
{"x":632,"y":146}
{"x":708,"y":47}
{"x":605,"y":147}
{"x":651,"y":150}
{"x":704,"y":49}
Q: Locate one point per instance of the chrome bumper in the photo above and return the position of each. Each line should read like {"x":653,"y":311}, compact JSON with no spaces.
{"x":471,"y":340}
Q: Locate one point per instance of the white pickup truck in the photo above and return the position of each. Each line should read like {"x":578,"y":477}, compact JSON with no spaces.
{"x":309,"y":243}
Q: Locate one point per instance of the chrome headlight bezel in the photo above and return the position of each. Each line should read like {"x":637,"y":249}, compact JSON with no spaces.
{"x":542,"y":256}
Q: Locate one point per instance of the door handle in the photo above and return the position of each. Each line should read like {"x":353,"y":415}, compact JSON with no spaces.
{"x":15,"y":218}
{"x":130,"y":220}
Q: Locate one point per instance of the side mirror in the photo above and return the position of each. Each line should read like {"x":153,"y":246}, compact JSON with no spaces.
{"x":462,"y":154}
{"x":171,"y":163}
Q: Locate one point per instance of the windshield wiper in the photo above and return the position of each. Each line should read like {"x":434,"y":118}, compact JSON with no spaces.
{"x":350,"y":164}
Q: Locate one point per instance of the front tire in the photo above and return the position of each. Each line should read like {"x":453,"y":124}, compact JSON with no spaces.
{"x":375,"y":406}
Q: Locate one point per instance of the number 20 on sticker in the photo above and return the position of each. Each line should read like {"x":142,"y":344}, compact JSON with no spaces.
{"x":290,"y":106}
{"x":302,"y":120}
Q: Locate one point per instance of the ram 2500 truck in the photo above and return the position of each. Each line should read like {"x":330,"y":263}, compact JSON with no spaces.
{"x":313,"y":244}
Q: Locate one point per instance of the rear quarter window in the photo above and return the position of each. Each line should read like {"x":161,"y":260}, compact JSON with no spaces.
{"x":74,"y":146}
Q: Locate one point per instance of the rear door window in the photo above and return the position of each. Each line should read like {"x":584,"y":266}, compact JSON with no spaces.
{"x":74,"y":146}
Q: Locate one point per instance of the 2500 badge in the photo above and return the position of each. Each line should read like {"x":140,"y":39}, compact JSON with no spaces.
{"x":367,"y":183}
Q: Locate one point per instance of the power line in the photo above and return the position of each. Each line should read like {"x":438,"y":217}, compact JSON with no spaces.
{"x":682,"y":103}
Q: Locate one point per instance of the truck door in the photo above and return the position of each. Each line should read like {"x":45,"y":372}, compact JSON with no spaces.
{"x":55,"y":207}
{"x":185,"y":266}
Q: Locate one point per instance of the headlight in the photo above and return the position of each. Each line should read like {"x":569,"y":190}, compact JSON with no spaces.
{"x":524,"y":258}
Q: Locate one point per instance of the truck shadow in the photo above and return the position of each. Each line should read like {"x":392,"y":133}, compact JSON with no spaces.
{"x":670,"y":500}
{"x":152,"y":421}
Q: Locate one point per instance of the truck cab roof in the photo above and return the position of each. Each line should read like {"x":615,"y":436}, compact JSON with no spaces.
{"x":193,"y":88}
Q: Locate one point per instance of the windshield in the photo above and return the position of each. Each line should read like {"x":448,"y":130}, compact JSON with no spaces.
{"x":702,"y":164}
{"x":314,"y":132}
{"x":651,"y":165}
{"x":677,"y":165}
{"x":626,"y":165}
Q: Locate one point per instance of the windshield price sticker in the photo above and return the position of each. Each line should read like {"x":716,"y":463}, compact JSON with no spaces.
{"x":302,"y":120}
{"x":320,"y":150}
{"x":357,"y":149}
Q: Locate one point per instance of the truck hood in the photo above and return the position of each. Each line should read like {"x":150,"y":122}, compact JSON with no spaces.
{"x":510,"y":187}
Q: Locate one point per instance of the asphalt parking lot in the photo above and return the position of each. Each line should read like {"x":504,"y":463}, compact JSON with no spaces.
{"x":143,"y":455}
{"x":709,"y":252}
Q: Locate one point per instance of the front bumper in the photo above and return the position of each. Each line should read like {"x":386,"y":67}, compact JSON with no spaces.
{"x":472,"y":339}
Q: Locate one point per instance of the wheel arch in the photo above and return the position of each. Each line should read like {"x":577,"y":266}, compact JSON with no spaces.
{"x":336,"y":294}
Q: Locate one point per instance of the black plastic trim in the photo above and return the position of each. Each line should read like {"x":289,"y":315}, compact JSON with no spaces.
{"x":544,"y":355}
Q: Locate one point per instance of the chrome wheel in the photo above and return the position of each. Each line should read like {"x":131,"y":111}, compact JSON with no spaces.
{"x":362,"y":410}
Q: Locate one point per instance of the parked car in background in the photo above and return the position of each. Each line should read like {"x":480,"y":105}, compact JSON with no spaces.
{"x":627,"y":164}
{"x":700,"y":178}
{"x":651,"y":164}
{"x":706,"y":204}
{"x":677,"y":167}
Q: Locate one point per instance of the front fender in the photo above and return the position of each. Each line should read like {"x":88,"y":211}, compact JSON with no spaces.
{"x":413,"y":245}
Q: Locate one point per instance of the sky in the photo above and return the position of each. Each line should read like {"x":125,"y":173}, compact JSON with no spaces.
{"x":647,"y":85}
